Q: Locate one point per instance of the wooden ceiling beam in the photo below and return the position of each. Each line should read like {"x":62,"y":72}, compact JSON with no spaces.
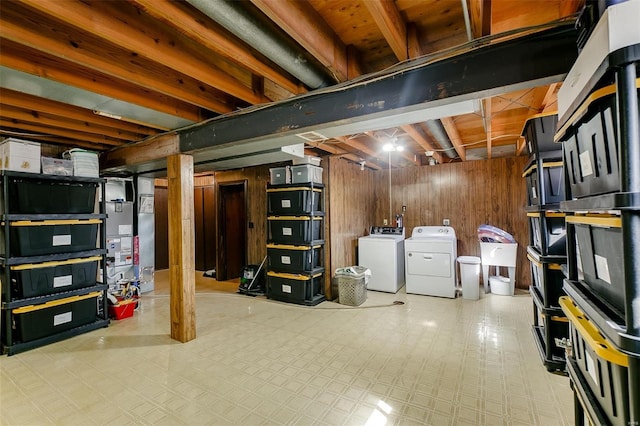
{"x":335,"y":150}
{"x":391,"y":24}
{"x":202,"y":31}
{"x":452,"y":131}
{"x":54,"y":140}
{"x":550,"y":98}
{"x":39,"y":39}
{"x":44,"y":119}
{"x":480,"y":15}
{"x":49,"y":130}
{"x":145,"y":42}
{"x":152,"y":149}
{"x":358,"y":145}
{"x":303,"y":24}
{"x":422,"y":141}
{"x":57,"y":70}
{"x":35,"y":103}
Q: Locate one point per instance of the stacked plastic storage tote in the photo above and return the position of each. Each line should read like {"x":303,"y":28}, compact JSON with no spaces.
{"x":295,"y":248}
{"x":50,"y":255}
{"x":599,"y":128}
{"x":547,"y":236}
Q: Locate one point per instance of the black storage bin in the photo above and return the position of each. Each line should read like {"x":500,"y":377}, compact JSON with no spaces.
{"x":31,"y":280}
{"x":548,"y":232}
{"x":294,"y":229}
{"x":295,"y":288}
{"x":289,"y":258}
{"x":34,"y":322}
{"x":547,"y":277}
{"x":42,"y":196}
{"x":599,"y":241}
{"x":546,"y":187}
{"x":590,"y":145}
{"x":602,"y":366}
{"x":296,"y":200}
{"x":556,"y":331}
{"x":538,"y":133}
{"x":34,"y":238}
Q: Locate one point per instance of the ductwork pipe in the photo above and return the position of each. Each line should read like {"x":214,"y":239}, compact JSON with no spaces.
{"x":280,"y":50}
{"x":437,"y":130}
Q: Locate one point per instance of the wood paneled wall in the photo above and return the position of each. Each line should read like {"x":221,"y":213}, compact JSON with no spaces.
{"x":469,"y":194}
{"x":350,"y":200}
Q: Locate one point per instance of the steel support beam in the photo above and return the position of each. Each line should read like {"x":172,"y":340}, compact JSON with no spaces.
{"x":416,"y":91}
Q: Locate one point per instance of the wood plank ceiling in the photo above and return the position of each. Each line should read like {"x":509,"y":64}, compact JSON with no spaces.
{"x":102,"y":74}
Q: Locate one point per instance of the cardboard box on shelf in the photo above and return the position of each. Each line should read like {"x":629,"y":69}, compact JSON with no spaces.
{"x":20,"y":155}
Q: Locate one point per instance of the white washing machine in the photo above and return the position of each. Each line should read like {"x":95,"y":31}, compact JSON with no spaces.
{"x":430,"y":256}
{"x":382,"y":251}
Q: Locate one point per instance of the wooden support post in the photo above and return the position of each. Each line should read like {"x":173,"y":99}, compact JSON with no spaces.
{"x":182,"y":279}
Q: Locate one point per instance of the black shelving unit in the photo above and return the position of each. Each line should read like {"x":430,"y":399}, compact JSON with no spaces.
{"x":600,"y":133}
{"x":52,"y":246}
{"x":295,"y":243}
{"x":544,"y":175}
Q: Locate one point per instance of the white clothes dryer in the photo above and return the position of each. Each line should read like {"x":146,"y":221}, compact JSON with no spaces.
{"x":430,"y":256}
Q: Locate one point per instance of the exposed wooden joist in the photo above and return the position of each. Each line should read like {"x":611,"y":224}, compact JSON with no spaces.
{"x":172,"y":13}
{"x":164,"y":50}
{"x":480,"y":14}
{"x":452,"y":131}
{"x":336,"y":151}
{"x":44,"y":41}
{"x":550,"y":98}
{"x":182,"y":280}
{"x":422,"y":141}
{"x":303,"y":24}
{"x":358,"y":145}
{"x":35,"y":103}
{"x":45,"y":119}
{"x":389,"y":21}
{"x":6,"y":130}
{"x":60,"y":71}
{"x":47,"y":129}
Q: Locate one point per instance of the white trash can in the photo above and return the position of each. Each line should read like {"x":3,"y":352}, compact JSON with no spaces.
{"x":470,"y":276}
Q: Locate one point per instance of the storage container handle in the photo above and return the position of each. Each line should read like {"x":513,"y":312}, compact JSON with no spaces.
{"x":591,"y":335}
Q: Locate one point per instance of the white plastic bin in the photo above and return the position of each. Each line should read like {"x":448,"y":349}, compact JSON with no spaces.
{"x":470,"y":276}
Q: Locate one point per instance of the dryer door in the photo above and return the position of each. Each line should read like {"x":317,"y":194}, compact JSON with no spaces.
{"x":428,"y":264}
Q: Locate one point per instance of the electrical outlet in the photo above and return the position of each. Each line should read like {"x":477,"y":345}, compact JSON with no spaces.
{"x":386,"y":222}
{"x":445,"y":222}
{"x":404,"y":209}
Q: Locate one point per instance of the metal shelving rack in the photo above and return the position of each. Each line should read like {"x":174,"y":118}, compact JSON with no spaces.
{"x":10,"y":344}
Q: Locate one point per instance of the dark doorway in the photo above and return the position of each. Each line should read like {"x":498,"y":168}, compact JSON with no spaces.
{"x":161,"y":209}
{"x":232,"y":222}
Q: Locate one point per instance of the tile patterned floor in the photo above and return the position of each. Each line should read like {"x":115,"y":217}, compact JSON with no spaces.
{"x":259,"y":362}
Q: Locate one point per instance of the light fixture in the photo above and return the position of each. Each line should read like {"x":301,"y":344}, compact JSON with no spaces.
{"x":392,"y":146}
{"x":107,"y":114}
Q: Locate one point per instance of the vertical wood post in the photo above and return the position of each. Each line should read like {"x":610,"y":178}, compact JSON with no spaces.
{"x":182,"y":279}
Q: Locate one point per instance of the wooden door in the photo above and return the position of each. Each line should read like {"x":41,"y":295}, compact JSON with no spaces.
{"x":231,"y":254}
